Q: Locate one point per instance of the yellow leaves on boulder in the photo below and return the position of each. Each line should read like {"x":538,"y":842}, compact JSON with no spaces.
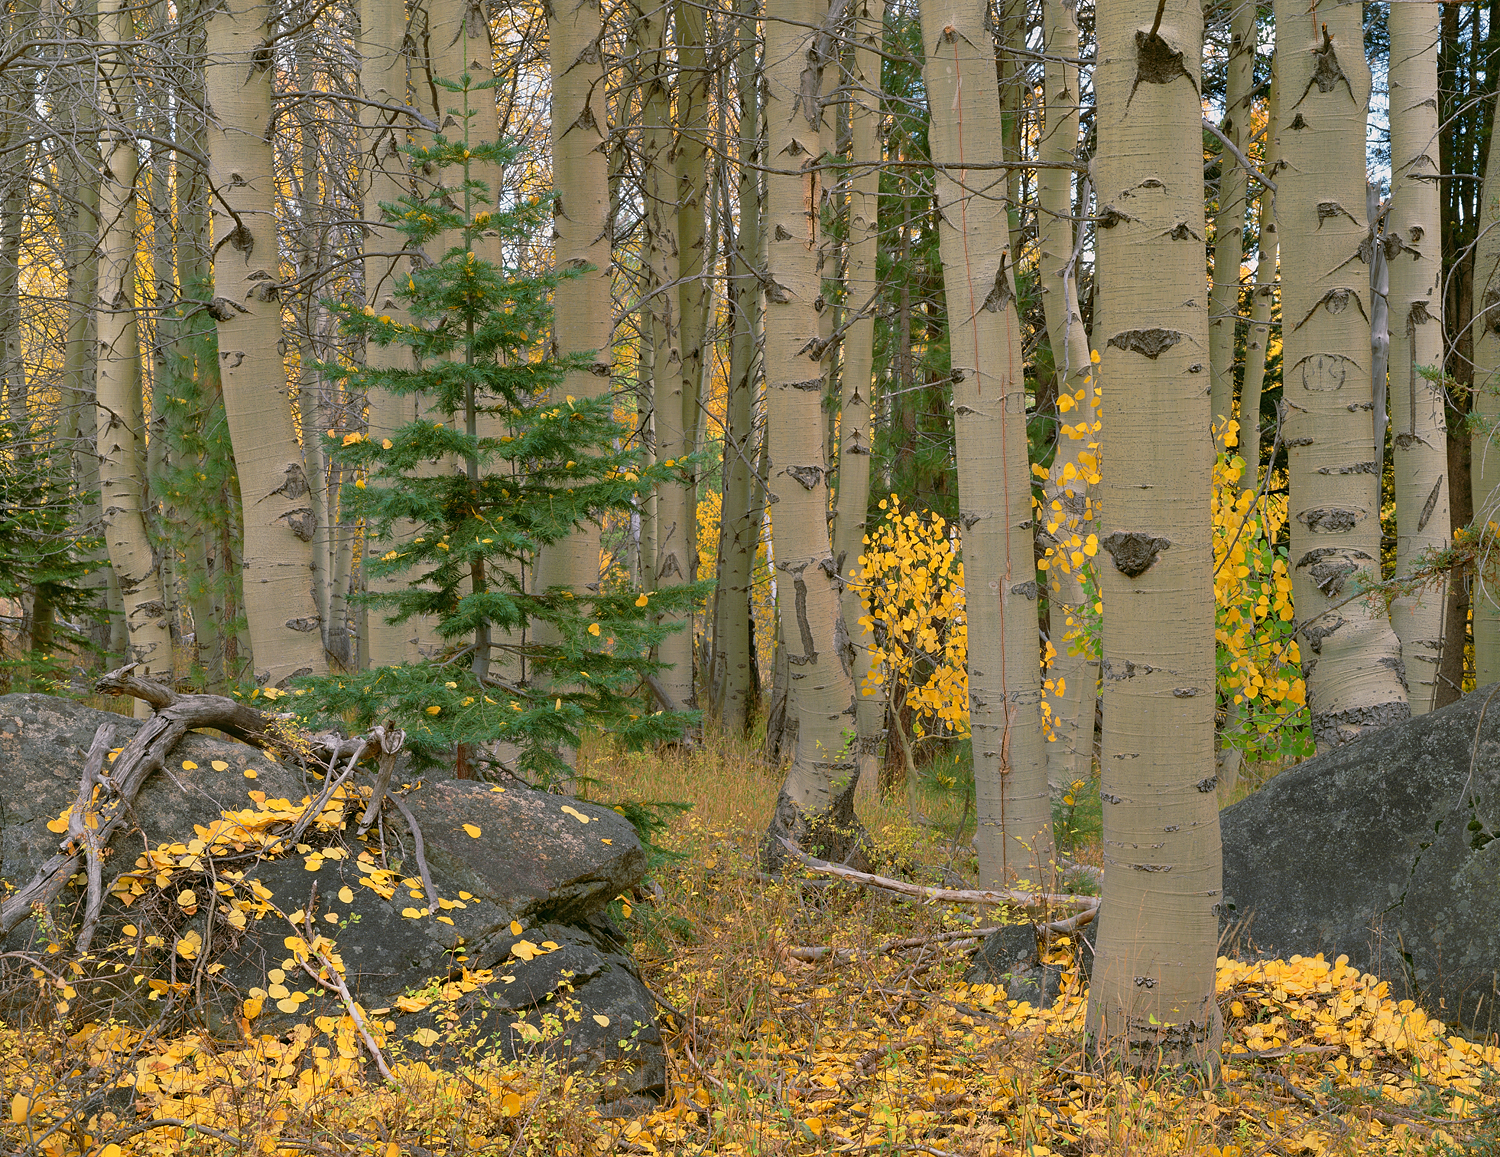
{"x":346,"y":895}
{"x":190,"y":945}
{"x":515,"y":928}
{"x":525,"y":950}
{"x":424,"y":1037}
{"x":569,"y":810}
{"x":413,"y":1003}
{"x":218,"y":765}
{"x":189,"y":765}
{"x":601,"y":1020}
{"x":473,"y":830}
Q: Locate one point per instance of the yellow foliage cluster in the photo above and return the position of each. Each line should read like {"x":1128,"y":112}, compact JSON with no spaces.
{"x":1258,"y":656}
{"x":913,"y":588}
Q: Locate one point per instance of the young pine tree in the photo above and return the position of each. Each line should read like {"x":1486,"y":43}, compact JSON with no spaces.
{"x":482,"y":504}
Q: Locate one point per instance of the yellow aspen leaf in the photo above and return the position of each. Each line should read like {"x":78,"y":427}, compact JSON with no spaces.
{"x":252,"y":1007}
{"x":601,"y":1020}
{"x":189,"y":765}
{"x":412,"y":1003}
{"x":525,"y":950}
{"x":642,"y":601}
{"x":20,"y":1108}
{"x":594,"y":629}
{"x":346,"y":894}
{"x":445,"y":920}
{"x":473,"y":830}
{"x":569,"y":810}
{"x":434,"y":710}
{"x":187,"y":898}
{"x":251,"y":773}
{"x":288,"y":1006}
{"x":386,"y":444}
{"x":219,"y":765}
{"x":515,"y":928}
{"x":413,"y":913}
{"x":611,"y":842}
{"x":425,"y":1037}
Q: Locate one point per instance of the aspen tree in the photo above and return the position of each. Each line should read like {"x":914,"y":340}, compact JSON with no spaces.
{"x":280,"y":523}
{"x":1419,"y":434}
{"x":1229,"y":223}
{"x":989,"y":401}
{"x":690,"y":162}
{"x":118,"y":369}
{"x":815,"y":808}
{"x":1075,"y":676}
{"x":1485,"y":444}
{"x":1262,"y":298}
{"x":1151,"y":1002}
{"x":582,"y":306}
{"x":385,"y":180}
{"x":675,"y":512}
{"x":857,"y":380}
{"x":1349,"y":653}
{"x":731,"y":687}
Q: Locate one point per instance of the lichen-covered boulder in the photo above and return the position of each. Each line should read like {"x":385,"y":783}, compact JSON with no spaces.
{"x":1384,"y":850}
{"x":513,"y":942}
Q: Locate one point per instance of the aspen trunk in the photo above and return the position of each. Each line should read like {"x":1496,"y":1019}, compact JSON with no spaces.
{"x":858,"y":381}
{"x":690,"y":159}
{"x":1229,"y":223}
{"x":1350,"y":655}
{"x":1419,"y":426}
{"x":1484,"y":471}
{"x":280,"y":523}
{"x":739,"y":526}
{"x":815,"y":807}
{"x":583,"y":309}
{"x":1152,"y":1001}
{"x":1262,"y":298}
{"x":118,"y":373}
{"x":672,"y":512}
{"x":1069,"y":513}
{"x":1012,"y":810}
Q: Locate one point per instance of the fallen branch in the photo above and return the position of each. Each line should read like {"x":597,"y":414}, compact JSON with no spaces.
{"x":416,"y":835}
{"x":335,"y":984}
{"x":1030,"y":901}
{"x":93,"y":768}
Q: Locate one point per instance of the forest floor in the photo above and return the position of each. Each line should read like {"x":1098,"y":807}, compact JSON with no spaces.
{"x":776,"y":1050}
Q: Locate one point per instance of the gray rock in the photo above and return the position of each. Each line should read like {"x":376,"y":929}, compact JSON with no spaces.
{"x":535,"y":865}
{"x":1383,"y":850}
{"x":1008,"y":958}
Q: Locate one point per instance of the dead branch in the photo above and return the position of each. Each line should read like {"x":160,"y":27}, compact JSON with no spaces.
{"x":1030,"y":901}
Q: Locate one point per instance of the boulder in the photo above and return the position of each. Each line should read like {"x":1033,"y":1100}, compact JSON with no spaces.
{"x":517,"y":945}
{"x":1383,"y":850}
{"x":1008,"y":958}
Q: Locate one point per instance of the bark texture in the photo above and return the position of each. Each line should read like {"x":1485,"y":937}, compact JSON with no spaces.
{"x":1419,"y":430}
{"x":118,"y":370}
{"x":1151,"y":1002}
{"x":1229,"y":222}
{"x":383,"y":76}
{"x":732,"y":684}
{"x":1069,"y":511}
{"x":989,"y":403}
{"x":1484,"y":471}
{"x":582,"y":309}
{"x":857,"y":381}
{"x":815,"y":809}
{"x":280,"y":522}
{"x":1350,"y":655}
